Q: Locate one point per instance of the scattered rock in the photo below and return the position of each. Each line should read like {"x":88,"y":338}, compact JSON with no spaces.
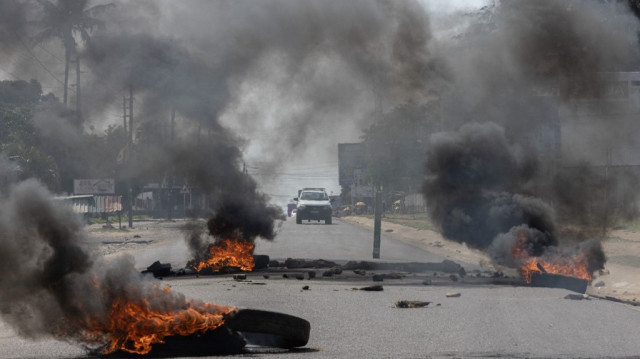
{"x":306,"y":287}
{"x":603,"y":272}
{"x":372,"y":288}
{"x":265,"y":276}
{"x":285,"y":276}
{"x":577,"y":297}
{"x":599,"y":284}
{"x":136,"y":236}
{"x":334,"y":270}
{"x":426,"y":282}
{"x":239,"y":277}
{"x":388,"y":230}
{"x":292,"y":263}
{"x":411,"y":304}
{"x":453,"y":294}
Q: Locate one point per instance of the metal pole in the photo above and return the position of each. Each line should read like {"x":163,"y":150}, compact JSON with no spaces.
{"x":377,"y":224}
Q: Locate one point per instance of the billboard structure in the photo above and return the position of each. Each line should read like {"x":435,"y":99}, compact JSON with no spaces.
{"x":352,"y":167}
{"x":94,"y":186}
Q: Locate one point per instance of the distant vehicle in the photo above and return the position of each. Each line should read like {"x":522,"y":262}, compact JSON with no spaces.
{"x":313,"y":204}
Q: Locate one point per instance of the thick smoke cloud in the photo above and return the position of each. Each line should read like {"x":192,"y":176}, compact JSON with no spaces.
{"x":53,"y":287}
{"x":204,"y":78}
{"x":504,"y":170}
{"x":476,"y":186}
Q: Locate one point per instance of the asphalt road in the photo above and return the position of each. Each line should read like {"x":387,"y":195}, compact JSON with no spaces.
{"x":338,"y":241}
{"x":485,"y":321}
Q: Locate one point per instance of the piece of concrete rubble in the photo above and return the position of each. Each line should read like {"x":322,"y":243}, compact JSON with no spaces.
{"x":331,"y":271}
{"x":599,"y":284}
{"x":411,"y":304}
{"x":306,"y":287}
{"x":453,"y":294}
{"x":577,"y":297}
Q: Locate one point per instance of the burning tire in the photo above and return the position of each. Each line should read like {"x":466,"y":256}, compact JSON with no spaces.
{"x":272,"y":329}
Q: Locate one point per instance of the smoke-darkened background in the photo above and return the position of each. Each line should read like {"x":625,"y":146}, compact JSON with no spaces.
{"x":524,"y":113}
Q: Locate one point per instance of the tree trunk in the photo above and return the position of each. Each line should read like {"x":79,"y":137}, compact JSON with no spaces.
{"x":66,"y":74}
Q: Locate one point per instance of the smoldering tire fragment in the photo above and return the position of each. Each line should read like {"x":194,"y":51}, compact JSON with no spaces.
{"x":272,"y":329}
{"x":220,"y":341}
{"x":373,"y":288}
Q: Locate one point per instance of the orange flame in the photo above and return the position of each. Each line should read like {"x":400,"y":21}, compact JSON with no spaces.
{"x":230,"y":252}
{"x":135,"y":325}
{"x":575,"y":265}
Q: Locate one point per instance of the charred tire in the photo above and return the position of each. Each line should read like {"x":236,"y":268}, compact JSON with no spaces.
{"x":327,"y":220}
{"x":298,"y":219}
{"x":273,"y":329}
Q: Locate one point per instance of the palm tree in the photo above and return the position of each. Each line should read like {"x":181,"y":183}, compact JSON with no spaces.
{"x":62,"y":20}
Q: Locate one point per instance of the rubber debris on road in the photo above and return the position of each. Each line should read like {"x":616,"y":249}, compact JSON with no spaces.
{"x":411,"y":304}
{"x":373,"y":288}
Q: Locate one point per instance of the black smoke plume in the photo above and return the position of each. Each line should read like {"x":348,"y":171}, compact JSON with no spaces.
{"x":53,"y":287}
{"x":507,"y":169}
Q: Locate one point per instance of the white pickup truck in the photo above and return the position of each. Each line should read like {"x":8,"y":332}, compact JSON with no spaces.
{"x":313,"y":204}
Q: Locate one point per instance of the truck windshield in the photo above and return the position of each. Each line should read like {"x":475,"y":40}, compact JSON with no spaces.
{"x":314,"y":196}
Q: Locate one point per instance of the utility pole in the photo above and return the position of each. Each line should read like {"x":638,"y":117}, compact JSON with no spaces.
{"x":605,"y":219}
{"x":78,"y":112}
{"x":124,"y":116}
{"x":377,"y":223}
{"x":377,"y":219}
{"x":130,"y":149}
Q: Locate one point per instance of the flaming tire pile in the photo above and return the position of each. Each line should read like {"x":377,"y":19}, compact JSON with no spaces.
{"x":245,"y":326}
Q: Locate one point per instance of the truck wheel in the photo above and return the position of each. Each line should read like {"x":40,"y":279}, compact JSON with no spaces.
{"x":298,"y":219}
{"x":260,"y":327}
{"x":327,"y":220}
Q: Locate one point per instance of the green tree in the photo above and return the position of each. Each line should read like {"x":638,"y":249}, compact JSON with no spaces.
{"x":64,"y":19}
